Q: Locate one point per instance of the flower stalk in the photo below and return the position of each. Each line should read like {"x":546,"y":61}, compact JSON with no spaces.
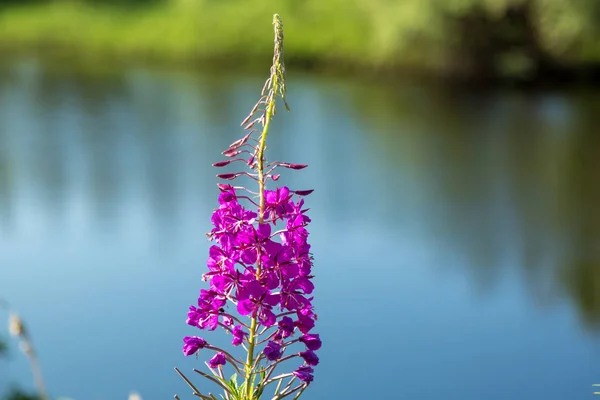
{"x":261,"y":264}
{"x":17,"y":329}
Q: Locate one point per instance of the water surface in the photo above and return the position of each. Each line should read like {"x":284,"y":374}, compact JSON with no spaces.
{"x":456,"y":235}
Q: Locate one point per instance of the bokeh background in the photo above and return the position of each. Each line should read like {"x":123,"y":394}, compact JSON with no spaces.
{"x":454,"y":151}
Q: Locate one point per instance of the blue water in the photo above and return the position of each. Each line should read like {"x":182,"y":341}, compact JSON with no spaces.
{"x":456,"y":234}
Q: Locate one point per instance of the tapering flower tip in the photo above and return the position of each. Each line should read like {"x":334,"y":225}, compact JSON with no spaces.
{"x":192,"y":344}
{"x":311,"y":341}
{"x":228,"y":176}
{"x":224,"y":187}
{"x":304,"y":373}
{"x":217,"y":359}
{"x":293,"y":166}
{"x":304,"y":192}
{"x":231,"y":152}
{"x":309,"y":357}
{"x":275,"y":177}
{"x":251,"y":160}
{"x":272,"y":351}
{"x":222,"y":163}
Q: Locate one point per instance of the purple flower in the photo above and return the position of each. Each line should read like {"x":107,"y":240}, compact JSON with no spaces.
{"x":286,"y":326}
{"x":227,"y":196}
{"x":305,"y":320}
{"x":277,"y":202}
{"x":220,"y":260}
{"x":258,"y":301}
{"x":238,"y":335}
{"x":206,"y":315}
{"x":304,"y":373}
{"x":226,"y":283}
{"x":272,"y":351}
{"x":279,"y":258}
{"x":217,"y":359}
{"x":303,"y":258}
{"x":292,"y":296}
{"x":312,"y":341}
{"x":309,"y":357}
{"x":192,"y":344}
{"x":252,"y":240}
{"x":259,"y":264}
{"x":229,"y":220}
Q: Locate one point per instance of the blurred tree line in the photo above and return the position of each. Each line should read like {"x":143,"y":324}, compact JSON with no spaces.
{"x":492,"y":37}
{"x":111,"y":2}
{"x":514,"y":38}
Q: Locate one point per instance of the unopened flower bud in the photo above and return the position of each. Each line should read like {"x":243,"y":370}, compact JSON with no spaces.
{"x":222,"y":163}
{"x":231,"y":152}
{"x":304,"y":192}
{"x":228,"y":176}
{"x":241,"y":141}
{"x":293,"y":166}
{"x":250,"y":125}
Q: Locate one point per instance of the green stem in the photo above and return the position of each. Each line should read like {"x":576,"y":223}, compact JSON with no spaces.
{"x":261,"y":186}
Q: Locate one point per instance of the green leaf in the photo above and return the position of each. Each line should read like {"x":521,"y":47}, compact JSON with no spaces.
{"x":233,"y":381}
{"x":233,"y":386}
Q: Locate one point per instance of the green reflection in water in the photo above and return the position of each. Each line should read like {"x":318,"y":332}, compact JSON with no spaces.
{"x":497,"y":173}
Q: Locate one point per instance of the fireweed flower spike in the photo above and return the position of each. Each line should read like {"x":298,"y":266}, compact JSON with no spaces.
{"x":259,"y":277}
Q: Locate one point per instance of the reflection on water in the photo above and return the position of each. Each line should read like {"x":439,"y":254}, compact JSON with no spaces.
{"x":504,"y":174}
{"x":433,"y":209}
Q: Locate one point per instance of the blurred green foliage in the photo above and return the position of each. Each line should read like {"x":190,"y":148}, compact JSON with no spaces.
{"x":14,"y":393}
{"x":519,"y":38}
{"x":18,"y":394}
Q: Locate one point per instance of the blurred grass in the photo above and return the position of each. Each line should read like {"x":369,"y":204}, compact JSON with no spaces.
{"x":438,"y":36}
{"x":204,"y":30}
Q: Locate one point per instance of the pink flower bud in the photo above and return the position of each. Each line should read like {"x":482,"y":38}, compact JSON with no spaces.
{"x":231,"y":152}
{"x":304,"y":192}
{"x":221,"y":163}
{"x":293,"y":166}
{"x":239,"y":142}
{"x":228,"y":176}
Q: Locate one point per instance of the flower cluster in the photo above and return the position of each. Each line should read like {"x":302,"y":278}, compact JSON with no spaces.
{"x":265,"y":273}
{"x":259,"y":267}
